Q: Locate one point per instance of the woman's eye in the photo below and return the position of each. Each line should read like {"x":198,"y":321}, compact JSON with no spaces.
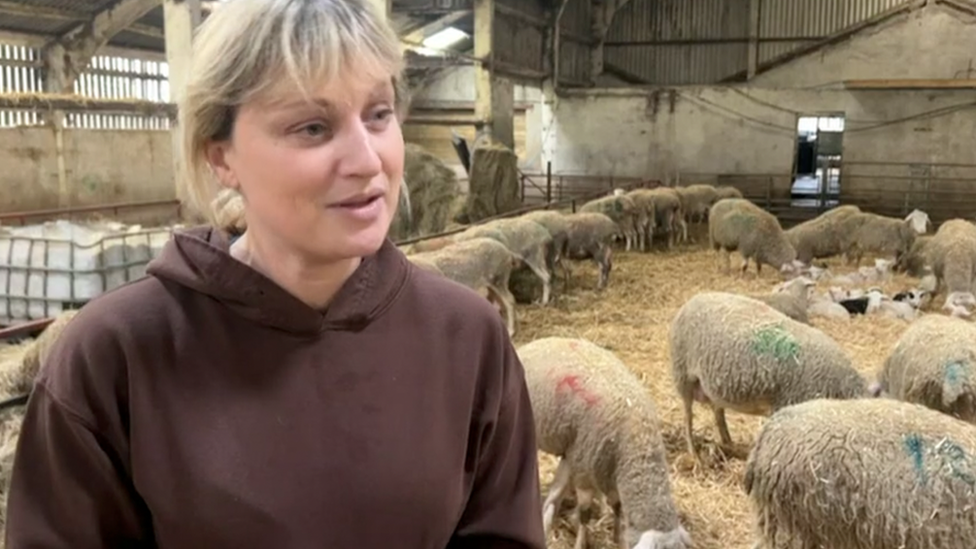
{"x":379,"y":119}
{"x":314,"y":130}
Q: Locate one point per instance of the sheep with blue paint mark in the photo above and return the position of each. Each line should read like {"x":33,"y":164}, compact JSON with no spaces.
{"x":736,"y":352}
{"x":933,"y":364}
{"x":863,"y":474}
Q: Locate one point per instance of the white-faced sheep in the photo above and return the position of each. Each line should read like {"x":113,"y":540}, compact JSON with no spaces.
{"x":792,"y":298}
{"x":595,"y":415}
{"x":589,"y":237}
{"x":863,"y":474}
{"x":872,"y":233}
{"x":621,"y":210}
{"x":821,"y":236}
{"x":952,"y":252}
{"x":732,"y":351}
{"x":735,"y":224}
{"x":526,"y":239}
{"x":482,"y":264}
{"x":933,"y":364}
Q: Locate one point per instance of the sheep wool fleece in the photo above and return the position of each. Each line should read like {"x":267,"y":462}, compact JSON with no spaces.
{"x":202,"y":406}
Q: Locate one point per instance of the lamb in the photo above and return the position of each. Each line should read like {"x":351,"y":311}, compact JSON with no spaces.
{"x":482,"y":264}
{"x":589,"y":236}
{"x":933,"y":364}
{"x":735,"y":224}
{"x":821,"y":236}
{"x":827,"y":308}
{"x":952,"y":252}
{"x":526,"y":239}
{"x":595,"y":415}
{"x":867,"y":232}
{"x":865,"y":474}
{"x":732,"y":351}
{"x":621,"y":210}
{"x":791,"y":298}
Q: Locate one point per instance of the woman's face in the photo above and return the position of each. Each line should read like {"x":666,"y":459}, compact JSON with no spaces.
{"x":320,"y":177}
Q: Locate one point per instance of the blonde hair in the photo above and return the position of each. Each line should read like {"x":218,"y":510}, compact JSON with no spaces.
{"x":247,"y":48}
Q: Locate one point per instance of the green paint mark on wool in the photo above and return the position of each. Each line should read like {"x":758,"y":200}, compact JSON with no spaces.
{"x":955,"y":372}
{"x":775,"y":341}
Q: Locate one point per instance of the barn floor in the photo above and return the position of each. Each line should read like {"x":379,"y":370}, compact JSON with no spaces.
{"x":632,"y":318}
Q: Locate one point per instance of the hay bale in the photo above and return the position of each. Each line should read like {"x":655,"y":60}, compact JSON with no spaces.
{"x":429,"y":200}
{"x":493,"y":187}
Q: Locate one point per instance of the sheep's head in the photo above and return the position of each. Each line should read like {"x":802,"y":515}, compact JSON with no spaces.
{"x":876,"y":389}
{"x":792,"y":269}
{"x":654,"y":539}
{"x":960,"y":304}
{"x":918,"y":221}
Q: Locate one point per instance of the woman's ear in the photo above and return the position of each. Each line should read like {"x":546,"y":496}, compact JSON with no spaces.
{"x":217,"y":153}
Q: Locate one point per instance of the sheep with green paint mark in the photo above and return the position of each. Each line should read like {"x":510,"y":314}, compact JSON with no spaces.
{"x":736,"y":352}
{"x":863,"y":474}
{"x":933,"y":364}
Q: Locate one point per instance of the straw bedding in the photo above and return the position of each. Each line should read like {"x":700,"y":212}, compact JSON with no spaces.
{"x":631,"y":318}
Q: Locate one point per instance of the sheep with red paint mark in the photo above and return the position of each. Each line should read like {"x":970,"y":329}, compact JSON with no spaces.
{"x":593,"y":412}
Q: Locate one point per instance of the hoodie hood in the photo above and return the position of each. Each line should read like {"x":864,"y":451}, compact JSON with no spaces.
{"x":199,"y":259}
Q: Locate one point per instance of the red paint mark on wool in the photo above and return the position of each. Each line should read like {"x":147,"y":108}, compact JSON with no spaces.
{"x":573,"y":384}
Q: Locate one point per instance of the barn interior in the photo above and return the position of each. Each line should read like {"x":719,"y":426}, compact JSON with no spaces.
{"x":800,"y":105}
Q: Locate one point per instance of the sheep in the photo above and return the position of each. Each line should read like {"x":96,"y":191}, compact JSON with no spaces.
{"x":482,"y":264}
{"x":933,"y":364}
{"x":669,"y":213}
{"x":821,"y":236}
{"x":732,"y":351}
{"x":735,"y":224}
{"x":867,"y":232}
{"x":595,"y":415}
{"x":424,"y":263}
{"x":864,"y":474}
{"x":790,"y":298}
{"x":526,"y":239}
{"x":697,"y":200}
{"x":881,"y":304}
{"x":952,"y":252}
{"x":558,"y":228}
{"x":621,"y":210}
{"x":914,"y":262}
{"x":228,"y":211}
{"x":727,"y":191}
{"x":827,"y":308}
{"x":39,"y":350}
{"x":960,"y":304}
{"x":644,"y":201}
{"x":589,"y":236}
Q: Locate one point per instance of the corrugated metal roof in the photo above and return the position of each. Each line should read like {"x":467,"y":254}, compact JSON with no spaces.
{"x":665,"y":32}
{"x":810,"y":19}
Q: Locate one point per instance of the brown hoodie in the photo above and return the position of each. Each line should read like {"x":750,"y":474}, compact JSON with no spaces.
{"x":203,"y":407}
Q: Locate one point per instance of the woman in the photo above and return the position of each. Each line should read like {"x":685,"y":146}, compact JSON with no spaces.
{"x":302,"y":387}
